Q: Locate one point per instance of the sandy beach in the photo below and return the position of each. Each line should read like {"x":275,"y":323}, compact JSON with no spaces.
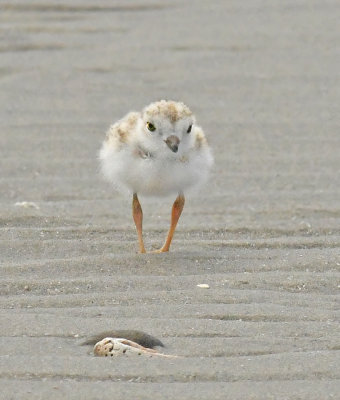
{"x":263,"y":79}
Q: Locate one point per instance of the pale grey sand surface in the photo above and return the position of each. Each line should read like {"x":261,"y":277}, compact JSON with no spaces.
{"x":263,"y":78}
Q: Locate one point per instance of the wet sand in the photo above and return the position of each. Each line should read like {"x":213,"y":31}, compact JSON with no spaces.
{"x":263,"y":81}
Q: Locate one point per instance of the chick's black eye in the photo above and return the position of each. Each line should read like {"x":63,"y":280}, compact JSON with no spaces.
{"x":189,"y":129}
{"x":150,"y":126}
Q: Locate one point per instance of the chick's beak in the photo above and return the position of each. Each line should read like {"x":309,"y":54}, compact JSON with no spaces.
{"x":173,"y":143}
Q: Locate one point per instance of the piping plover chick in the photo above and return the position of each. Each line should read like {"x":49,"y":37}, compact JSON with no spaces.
{"x":156,"y":152}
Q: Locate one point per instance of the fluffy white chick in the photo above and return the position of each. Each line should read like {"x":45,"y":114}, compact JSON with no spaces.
{"x":156,"y":152}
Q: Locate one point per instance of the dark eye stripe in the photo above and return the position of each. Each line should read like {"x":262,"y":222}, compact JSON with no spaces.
{"x":189,"y":129}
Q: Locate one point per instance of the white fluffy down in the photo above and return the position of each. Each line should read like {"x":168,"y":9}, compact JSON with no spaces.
{"x":157,"y":175}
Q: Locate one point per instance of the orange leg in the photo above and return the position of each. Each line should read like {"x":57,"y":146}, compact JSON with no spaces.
{"x":177,"y":209}
{"x":138,"y":218}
